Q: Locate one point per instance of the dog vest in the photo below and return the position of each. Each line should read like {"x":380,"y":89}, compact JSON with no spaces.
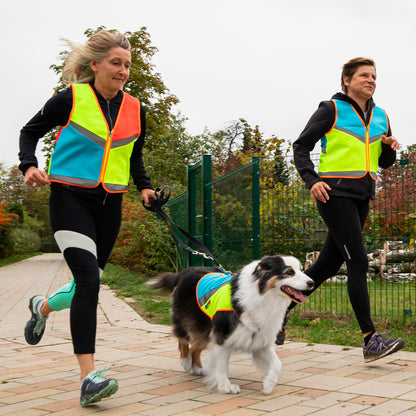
{"x":213,"y":293}
{"x":86,"y":152}
{"x":351,"y":149}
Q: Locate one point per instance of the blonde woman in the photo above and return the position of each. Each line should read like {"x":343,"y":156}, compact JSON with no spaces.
{"x":98,"y":147}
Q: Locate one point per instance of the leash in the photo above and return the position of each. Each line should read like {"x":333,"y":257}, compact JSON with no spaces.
{"x":156,"y":204}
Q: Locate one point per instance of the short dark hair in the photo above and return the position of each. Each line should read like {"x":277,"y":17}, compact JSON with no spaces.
{"x":350,"y":68}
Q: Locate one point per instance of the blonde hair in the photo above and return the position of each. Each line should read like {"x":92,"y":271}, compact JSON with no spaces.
{"x":351,"y":67}
{"x":77,"y":62}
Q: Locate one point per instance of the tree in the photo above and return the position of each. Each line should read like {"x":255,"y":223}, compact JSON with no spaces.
{"x":393,"y":212}
{"x":6,"y":217}
{"x":167,"y":162}
{"x":31,"y":207}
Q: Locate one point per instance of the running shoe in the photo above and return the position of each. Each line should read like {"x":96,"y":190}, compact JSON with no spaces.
{"x":379,"y":346}
{"x":94,"y":387}
{"x":280,"y":339}
{"x":35,"y":327}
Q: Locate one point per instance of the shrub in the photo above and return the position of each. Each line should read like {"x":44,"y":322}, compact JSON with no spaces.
{"x":144,"y":243}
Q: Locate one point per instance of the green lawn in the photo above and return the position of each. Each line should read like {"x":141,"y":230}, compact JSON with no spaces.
{"x":303,"y":325}
{"x":15,"y":259}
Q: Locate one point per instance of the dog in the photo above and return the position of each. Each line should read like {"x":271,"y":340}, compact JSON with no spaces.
{"x":248,"y":319}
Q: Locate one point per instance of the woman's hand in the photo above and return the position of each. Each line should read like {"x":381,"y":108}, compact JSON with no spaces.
{"x":392,"y":142}
{"x":146,"y":194}
{"x":319,"y":191}
{"x":35,"y":177}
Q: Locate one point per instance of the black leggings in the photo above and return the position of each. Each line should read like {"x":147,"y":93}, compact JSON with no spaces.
{"x":345,"y":218}
{"x":86,"y":223}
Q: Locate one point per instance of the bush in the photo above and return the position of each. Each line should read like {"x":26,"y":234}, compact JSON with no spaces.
{"x":144,"y":243}
{"x":25,"y":241}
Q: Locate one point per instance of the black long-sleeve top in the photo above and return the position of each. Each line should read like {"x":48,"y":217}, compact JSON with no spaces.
{"x":56,"y":112}
{"x":320,"y":124}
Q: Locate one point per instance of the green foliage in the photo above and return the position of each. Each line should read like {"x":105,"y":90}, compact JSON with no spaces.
{"x":31,"y":207}
{"x":144,"y":244}
{"x":393,"y":212}
{"x":25,"y":240}
{"x":166,"y":163}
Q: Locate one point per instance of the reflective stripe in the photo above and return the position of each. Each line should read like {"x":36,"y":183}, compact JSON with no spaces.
{"x":87,"y":133}
{"x":351,"y":133}
{"x":375,"y":138}
{"x":75,"y":181}
{"x":352,"y":173}
{"x":123,"y":142}
{"x":204,"y":299}
{"x":116,"y":188}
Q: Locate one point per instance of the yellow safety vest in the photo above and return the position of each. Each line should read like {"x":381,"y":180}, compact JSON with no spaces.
{"x":86,"y":152}
{"x":351,"y":149}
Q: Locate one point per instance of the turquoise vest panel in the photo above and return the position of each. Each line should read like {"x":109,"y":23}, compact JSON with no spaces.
{"x":213,"y":293}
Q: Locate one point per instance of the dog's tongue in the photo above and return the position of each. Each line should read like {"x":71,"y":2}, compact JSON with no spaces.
{"x":300,"y":297}
{"x":295,"y":294}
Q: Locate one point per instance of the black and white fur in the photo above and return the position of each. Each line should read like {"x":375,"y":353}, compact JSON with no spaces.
{"x":260,"y":292}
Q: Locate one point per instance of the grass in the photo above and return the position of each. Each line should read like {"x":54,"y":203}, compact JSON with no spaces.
{"x":309,"y":327}
{"x":152,"y":305}
{"x":16,"y":258}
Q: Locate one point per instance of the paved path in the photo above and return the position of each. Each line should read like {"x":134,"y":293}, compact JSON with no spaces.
{"x":319,"y":380}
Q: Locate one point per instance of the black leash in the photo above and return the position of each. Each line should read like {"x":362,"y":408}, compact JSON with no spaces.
{"x":156,"y":204}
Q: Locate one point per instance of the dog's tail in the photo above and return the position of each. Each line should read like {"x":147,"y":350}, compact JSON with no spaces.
{"x":166,"y":281}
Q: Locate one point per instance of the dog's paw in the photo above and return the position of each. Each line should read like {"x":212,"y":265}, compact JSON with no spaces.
{"x":198,"y":371}
{"x":228,"y":387}
{"x":268,"y":386}
{"x":187,"y":364}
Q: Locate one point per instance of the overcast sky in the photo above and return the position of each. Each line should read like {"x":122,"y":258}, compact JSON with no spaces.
{"x":268,"y":61}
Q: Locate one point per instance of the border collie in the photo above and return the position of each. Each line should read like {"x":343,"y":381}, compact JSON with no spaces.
{"x":243,"y":314}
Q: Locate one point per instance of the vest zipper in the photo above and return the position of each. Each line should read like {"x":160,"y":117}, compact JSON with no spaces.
{"x":365,"y":122}
{"x":367,"y":149}
{"x":109,"y":116}
{"x":107,"y":146}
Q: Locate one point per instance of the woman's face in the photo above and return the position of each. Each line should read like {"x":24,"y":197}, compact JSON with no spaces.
{"x":362,"y":84}
{"x":112,"y":72}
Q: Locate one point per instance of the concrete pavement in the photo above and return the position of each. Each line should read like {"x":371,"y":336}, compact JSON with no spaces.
{"x":319,"y":380}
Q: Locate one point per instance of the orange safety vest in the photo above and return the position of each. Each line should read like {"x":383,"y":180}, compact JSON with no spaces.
{"x":86,"y":152}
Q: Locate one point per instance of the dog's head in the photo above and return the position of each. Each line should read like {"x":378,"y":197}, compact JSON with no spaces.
{"x":283,"y":273}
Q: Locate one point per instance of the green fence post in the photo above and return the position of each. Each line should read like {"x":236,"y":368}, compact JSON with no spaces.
{"x":256,"y":206}
{"x":207,"y":204}
{"x":191,"y":208}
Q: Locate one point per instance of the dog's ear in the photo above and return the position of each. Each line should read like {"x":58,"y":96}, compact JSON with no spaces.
{"x":268,"y":268}
{"x":275,"y":264}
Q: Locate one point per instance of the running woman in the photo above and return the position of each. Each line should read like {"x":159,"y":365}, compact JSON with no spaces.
{"x":356,"y":139}
{"x":99,"y":145}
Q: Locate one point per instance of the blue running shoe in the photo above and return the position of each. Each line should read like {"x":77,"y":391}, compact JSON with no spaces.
{"x":94,"y":387}
{"x":35,"y":327}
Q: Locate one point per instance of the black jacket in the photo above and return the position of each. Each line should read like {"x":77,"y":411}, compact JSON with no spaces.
{"x":56,"y":112}
{"x":318,"y":125}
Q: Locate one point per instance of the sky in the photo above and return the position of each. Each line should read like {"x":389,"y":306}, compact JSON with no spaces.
{"x":268,"y":61}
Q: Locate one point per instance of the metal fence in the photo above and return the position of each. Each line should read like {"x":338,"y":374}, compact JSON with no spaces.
{"x":263,"y":208}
